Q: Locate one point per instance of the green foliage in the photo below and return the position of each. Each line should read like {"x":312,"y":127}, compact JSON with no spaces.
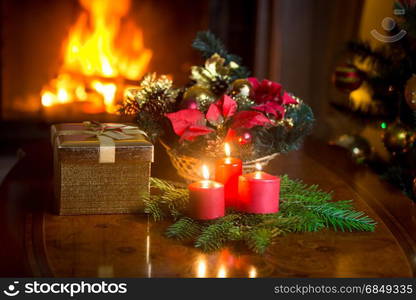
{"x":168,"y":199}
{"x":386,"y":70}
{"x":303,"y":208}
{"x":184,"y":229}
{"x":288,"y":135}
{"x":208,"y":44}
{"x":214,"y":236}
{"x":260,"y":239}
{"x":341,"y":216}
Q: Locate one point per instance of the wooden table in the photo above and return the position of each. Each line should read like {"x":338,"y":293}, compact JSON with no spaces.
{"x":35,"y":242}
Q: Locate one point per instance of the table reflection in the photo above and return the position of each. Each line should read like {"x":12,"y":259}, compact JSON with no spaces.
{"x":201,"y":269}
{"x":148,"y":261}
{"x":223,"y":264}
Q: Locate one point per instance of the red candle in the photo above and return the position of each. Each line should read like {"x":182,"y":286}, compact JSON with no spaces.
{"x":259,"y":192}
{"x":227,"y":171}
{"x":206,"y":198}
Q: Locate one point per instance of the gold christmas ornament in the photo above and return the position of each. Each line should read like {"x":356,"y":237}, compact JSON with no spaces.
{"x":397,"y":139}
{"x":359,"y":148}
{"x":202,"y":96}
{"x":240,"y":87}
{"x":214,"y":75}
{"x":410,"y":92}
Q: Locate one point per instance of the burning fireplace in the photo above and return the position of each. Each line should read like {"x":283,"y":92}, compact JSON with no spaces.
{"x":102,"y":58}
{"x":73,"y":60}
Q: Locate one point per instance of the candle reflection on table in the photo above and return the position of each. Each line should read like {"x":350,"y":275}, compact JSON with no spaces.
{"x":223,"y":264}
{"x":201,"y":269}
{"x":222,"y":272}
{"x":148,"y":262}
{"x":252,"y":273}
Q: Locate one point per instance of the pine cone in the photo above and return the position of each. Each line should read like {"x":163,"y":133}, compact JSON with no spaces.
{"x":219,"y":85}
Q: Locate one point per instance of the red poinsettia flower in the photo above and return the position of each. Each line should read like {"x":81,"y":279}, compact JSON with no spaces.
{"x":248,"y":119}
{"x":272,"y":108}
{"x":265,"y":90}
{"x":288,"y":99}
{"x":188,"y":124}
{"x":221,"y":110}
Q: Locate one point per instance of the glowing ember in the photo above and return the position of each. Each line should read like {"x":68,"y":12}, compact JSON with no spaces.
{"x":100,"y":54}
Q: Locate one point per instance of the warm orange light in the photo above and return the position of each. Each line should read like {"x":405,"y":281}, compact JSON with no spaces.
{"x":227,"y":149}
{"x":108,"y":91}
{"x":48,"y":99}
{"x":201,"y":268}
{"x":205,"y":172}
{"x":258,"y":172}
{"x":222,"y":272}
{"x":252,"y":273}
{"x":100,"y":50}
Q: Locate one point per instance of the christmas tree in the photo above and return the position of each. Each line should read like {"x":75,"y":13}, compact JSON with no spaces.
{"x":380,"y":83}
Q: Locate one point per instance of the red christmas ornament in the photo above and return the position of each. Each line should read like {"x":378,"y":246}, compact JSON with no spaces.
{"x":189,"y":104}
{"x":244,"y":138}
{"x":347,"y":78}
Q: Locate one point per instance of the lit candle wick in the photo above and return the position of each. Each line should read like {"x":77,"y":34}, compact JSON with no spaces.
{"x":227,"y":150}
{"x":205,"y":175}
{"x":257,"y":174}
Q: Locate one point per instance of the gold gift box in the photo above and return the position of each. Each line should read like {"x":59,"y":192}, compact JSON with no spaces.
{"x":83,"y":185}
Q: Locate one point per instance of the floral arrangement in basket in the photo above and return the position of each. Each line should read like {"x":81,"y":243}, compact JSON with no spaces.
{"x":221,"y":103}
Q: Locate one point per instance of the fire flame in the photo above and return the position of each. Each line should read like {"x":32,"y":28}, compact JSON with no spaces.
{"x":257,"y":174}
{"x":227,"y":149}
{"x":100,"y":55}
{"x":205,"y":172}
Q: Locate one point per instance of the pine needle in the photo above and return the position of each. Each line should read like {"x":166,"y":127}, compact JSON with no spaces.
{"x":303,"y":208}
{"x":260,"y":239}
{"x":343,"y":219}
{"x":185,"y":228}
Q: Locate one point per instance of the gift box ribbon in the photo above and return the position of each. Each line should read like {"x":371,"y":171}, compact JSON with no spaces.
{"x":106,"y":133}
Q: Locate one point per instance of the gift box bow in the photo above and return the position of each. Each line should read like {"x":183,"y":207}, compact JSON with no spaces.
{"x":106,"y":133}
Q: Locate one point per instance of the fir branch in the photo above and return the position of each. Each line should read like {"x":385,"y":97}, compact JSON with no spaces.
{"x":217,"y":233}
{"x":283,"y":138}
{"x":151,"y":207}
{"x":258,"y":240}
{"x":169,"y":199}
{"x":339,"y":217}
{"x":213,"y":237}
{"x":185,"y":228}
{"x":296,"y":190}
{"x":303,"y":208}
{"x":365,"y":52}
{"x":208,"y":44}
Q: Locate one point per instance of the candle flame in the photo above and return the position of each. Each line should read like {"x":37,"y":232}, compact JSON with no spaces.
{"x":205,"y":172}
{"x":227,"y":149}
{"x":257,"y":174}
{"x":252,"y":273}
{"x":258,"y":167}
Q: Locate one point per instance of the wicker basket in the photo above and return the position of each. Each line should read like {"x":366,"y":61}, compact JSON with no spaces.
{"x":189,"y":167}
